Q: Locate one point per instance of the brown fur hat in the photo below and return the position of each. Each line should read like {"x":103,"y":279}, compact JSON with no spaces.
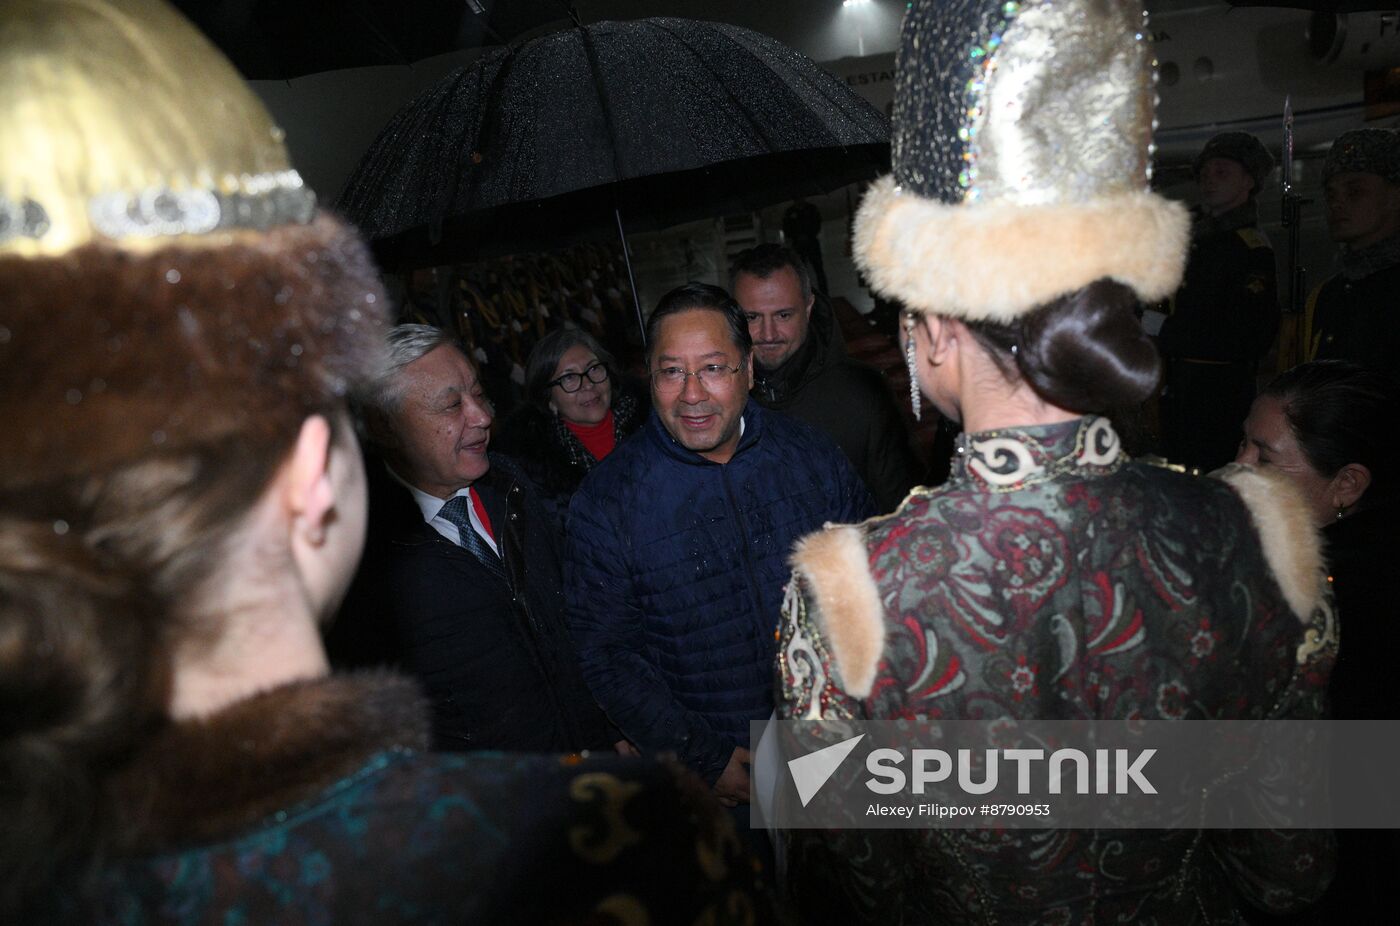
{"x":107,"y":357}
{"x":158,"y":297}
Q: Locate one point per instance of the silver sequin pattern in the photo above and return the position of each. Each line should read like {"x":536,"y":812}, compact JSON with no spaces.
{"x":1033,"y":102}
{"x":262,"y":202}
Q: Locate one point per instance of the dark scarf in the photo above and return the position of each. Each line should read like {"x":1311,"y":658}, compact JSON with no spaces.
{"x":624,"y":414}
{"x":199,"y":780}
{"x":1360,"y":263}
{"x":1246,"y":216}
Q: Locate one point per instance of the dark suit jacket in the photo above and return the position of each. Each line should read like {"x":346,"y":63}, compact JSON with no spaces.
{"x":496,"y":658}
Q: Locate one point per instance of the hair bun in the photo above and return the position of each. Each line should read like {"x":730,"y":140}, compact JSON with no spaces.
{"x":1086,"y":351}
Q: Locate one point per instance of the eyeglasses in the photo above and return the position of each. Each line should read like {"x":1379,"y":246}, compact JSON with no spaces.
{"x":573,"y":382}
{"x":711,"y":376}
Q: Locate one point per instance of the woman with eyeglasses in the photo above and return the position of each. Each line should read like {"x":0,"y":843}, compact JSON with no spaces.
{"x":576,"y":412}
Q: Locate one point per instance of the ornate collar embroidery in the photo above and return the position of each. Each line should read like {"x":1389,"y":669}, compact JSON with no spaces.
{"x":1009,"y":459}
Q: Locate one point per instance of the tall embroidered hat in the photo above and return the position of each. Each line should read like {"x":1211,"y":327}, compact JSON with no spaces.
{"x":165,"y":277}
{"x":1022,"y":144}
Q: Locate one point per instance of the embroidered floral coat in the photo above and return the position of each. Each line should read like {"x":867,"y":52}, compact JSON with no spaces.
{"x":1053,"y":578}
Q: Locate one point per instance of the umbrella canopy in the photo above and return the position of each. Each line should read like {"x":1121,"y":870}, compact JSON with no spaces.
{"x":282,"y":39}
{"x":659,"y":120}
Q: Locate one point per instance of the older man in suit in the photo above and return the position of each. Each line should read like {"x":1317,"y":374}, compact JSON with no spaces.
{"x":460,"y":583}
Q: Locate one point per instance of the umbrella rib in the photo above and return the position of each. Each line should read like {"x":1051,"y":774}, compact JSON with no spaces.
{"x":604,"y":104}
{"x":445,"y":210}
{"x":755,"y":125}
{"x":807,"y":82}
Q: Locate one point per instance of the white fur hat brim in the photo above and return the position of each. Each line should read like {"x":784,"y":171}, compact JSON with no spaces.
{"x":995,"y":261}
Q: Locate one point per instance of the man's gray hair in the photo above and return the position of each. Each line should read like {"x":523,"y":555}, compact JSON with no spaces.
{"x":407,"y":343}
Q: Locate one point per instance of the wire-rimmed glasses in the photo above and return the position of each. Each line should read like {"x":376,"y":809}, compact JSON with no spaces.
{"x":711,"y":376}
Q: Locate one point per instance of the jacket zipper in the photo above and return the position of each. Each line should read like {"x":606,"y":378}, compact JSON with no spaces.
{"x":744,"y":539}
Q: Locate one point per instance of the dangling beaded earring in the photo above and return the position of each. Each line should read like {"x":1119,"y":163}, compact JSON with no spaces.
{"x":916,"y":398}
{"x":1341,"y":512}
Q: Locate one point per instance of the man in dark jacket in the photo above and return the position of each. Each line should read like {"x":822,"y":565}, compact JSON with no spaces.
{"x":1353,"y":315}
{"x":460,"y":582}
{"x":801,"y":369}
{"x":1225,"y":315}
{"x":678,"y":544}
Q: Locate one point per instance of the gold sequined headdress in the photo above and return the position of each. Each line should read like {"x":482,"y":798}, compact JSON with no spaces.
{"x":166,"y":281}
{"x":120,"y":122}
{"x":1022,"y":160}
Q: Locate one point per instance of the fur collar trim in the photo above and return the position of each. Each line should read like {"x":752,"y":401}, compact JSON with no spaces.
{"x":197,"y":781}
{"x":1292,"y":546}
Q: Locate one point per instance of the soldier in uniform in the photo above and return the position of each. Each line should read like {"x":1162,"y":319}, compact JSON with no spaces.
{"x":1225,"y":314}
{"x":1353,"y":315}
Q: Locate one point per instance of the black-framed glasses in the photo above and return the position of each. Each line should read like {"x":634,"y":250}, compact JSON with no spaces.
{"x":711,"y":376}
{"x":573,"y":382}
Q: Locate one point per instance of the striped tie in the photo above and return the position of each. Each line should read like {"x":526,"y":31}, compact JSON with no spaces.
{"x":456,"y":511}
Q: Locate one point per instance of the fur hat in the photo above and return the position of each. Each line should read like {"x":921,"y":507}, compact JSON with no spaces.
{"x":1022,"y":146}
{"x":1365,"y":151}
{"x":1242,"y":148}
{"x":165,"y":277}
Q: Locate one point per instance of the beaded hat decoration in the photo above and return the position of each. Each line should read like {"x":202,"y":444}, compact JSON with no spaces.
{"x":1364,"y":151}
{"x":144,"y":165}
{"x":1022,"y":144}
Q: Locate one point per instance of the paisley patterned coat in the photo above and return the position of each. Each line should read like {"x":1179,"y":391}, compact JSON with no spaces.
{"x":1053,"y":578}
{"x":314,"y":803}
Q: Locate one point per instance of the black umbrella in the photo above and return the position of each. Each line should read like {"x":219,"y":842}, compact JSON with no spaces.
{"x":657,"y":121}
{"x":282,"y":39}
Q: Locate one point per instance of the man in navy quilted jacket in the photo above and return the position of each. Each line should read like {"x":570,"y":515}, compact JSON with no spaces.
{"x":678,"y":544}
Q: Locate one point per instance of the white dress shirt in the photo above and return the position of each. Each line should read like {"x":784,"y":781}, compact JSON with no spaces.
{"x":431,"y":506}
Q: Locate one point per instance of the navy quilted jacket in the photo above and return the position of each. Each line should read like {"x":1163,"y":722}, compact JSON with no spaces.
{"x":675,"y":575}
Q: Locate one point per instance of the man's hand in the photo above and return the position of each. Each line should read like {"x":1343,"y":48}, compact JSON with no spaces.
{"x":732,"y":788}
{"x":625,"y":748}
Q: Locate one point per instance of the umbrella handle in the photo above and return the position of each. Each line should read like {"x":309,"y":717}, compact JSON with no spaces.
{"x":631,"y":280}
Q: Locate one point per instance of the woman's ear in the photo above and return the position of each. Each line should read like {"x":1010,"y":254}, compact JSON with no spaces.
{"x":939,"y":333}
{"x":308,"y":496}
{"x":1350,"y":483}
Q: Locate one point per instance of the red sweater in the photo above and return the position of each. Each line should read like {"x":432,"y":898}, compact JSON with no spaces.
{"x":598,"y":439}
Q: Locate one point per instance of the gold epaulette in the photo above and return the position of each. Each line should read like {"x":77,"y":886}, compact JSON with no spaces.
{"x":1254,"y":238}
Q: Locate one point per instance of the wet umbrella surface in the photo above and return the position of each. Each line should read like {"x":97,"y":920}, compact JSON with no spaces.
{"x":657,"y":121}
